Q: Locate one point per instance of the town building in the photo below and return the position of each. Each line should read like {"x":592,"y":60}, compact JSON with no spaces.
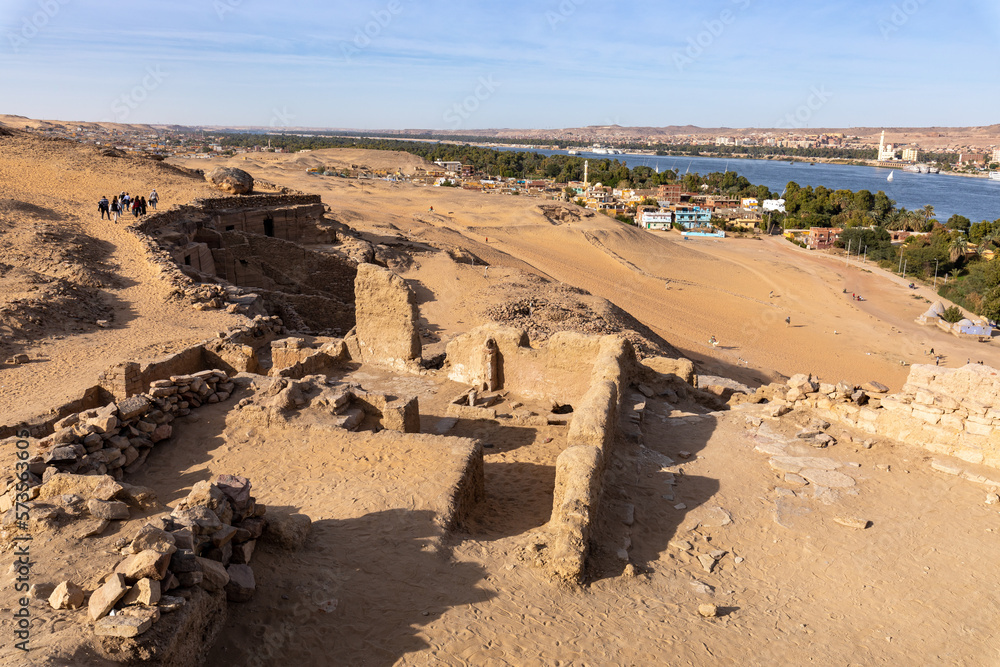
{"x":821,"y":238}
{"x":692,"y":216}
{"x":911,"y":155}
{"x":655,"y":219}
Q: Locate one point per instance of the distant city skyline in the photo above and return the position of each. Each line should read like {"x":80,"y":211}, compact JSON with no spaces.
{"x":568,"y":63}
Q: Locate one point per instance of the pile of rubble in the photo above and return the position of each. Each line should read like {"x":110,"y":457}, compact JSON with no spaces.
{"x":809,"y":391}
{"x":206,"y":542}
{"x":117,"y":438}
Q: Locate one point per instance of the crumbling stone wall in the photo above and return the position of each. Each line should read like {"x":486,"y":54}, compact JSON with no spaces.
{"x":386,"y":314}
{"x":580,"y":468}
{"x":494,"y":357}
{"x":952,"y":411}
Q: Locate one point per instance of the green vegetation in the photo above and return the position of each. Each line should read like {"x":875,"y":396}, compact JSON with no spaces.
{"x":952,"y":314}
{"x":821,"y":207}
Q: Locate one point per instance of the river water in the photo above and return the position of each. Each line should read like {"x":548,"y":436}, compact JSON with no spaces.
{"x":975,"y":198}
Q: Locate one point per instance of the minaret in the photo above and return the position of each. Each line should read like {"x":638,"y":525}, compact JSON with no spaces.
{"x":881,"y":146}
{"x":586,"y":172}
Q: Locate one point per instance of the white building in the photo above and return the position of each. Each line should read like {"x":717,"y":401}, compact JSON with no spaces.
{"x":655,"y":219}
{"x":774,"y":205}
{"x":911,"y":154}
{"x":885,"y":151}
{"x":996,"y":155}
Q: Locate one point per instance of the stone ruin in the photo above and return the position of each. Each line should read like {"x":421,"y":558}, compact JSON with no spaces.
{"x":167,"y":594}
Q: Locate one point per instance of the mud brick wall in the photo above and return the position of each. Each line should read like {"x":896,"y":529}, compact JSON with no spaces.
{"x":580,"y":469}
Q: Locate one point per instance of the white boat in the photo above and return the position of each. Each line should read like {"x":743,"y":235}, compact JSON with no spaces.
{"x":572,"y":152}
{"x":890,"y":176}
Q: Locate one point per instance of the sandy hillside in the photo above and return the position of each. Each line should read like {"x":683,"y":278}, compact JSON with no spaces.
{"x":334,"y":158}
{"x":739,"y":290}
{"x":62,"y":269}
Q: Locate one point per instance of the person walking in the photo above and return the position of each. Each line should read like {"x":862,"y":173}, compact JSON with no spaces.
{"x":142,"y":206}
{"x":103,"y":207}
{"x":116,"y":208}
{"x":153,"y":198}
{"x":135,"y":207}
{"x":788,"y":321}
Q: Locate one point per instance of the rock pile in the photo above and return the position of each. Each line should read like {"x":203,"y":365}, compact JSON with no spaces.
{"x":345,"y":406}
{"x":206,"y":542}
{"x":810,"y":392}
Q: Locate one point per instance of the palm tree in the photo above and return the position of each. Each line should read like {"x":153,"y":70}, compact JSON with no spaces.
{"x":958,"y":247}
{"x":987,"y":243}
{"x":928,"y":213}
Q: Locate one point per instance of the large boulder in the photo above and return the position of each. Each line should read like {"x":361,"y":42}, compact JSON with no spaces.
{"x":233,"y":181}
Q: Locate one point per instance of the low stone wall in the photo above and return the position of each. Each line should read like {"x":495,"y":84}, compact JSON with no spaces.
{"x":580,"y":468}
{"x":115,"y":439}
{"x":952,"y":411}
{"x":203,"y":547}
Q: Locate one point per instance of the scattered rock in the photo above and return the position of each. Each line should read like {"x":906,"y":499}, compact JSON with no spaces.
{"x":875,"y":387}
{"x":682,"y":545}
{"x":707,"y":562}
{"x":109,"y":510}
{"x":708,"y":610}
{"x":992,"y":498}
{"x":67,"y":595}
{"x":852,"y":522}
{"x":792,"y":478}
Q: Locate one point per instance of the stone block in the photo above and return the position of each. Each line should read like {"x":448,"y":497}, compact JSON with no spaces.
{"x":67,"y":595}
{"x":122,"y":625}
{"x":104,"y":598}
{"x":241,"y":585}
{"x":144,"y":592}
{"x":110,"y":510}
{"x":145,"y":564}
{"x":214,"y":574}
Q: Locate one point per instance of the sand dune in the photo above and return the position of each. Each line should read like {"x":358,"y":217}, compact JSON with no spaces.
{"x":685,"y":291}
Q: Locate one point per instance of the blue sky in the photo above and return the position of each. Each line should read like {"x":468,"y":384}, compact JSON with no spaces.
{"x":553,"y":63}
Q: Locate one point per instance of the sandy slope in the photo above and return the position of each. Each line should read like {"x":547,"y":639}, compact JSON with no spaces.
{"x":685,"y":291}
{"x":63,"y":182}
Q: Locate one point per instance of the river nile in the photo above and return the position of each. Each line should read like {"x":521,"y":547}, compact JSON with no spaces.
{"x":975,"y":198}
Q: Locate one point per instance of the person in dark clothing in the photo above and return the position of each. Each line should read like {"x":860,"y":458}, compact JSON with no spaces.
{"x":116,"y":208}
{"x":142,"y":206}
{"x":103,"y":207}
{"x":135,"y":208}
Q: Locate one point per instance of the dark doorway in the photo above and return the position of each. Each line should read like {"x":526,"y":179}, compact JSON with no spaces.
{"x":268,"y":227}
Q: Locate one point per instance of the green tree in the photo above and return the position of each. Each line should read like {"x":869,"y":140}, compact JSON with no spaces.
{"x":959,"y":223}
{"x":952,"y":314}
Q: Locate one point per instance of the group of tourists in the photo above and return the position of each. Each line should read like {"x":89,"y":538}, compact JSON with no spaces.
{"x":123,"y":204}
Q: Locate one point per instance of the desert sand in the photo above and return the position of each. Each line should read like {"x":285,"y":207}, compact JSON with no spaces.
{"x":685,"y":291}
{"x":379,"y":583}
